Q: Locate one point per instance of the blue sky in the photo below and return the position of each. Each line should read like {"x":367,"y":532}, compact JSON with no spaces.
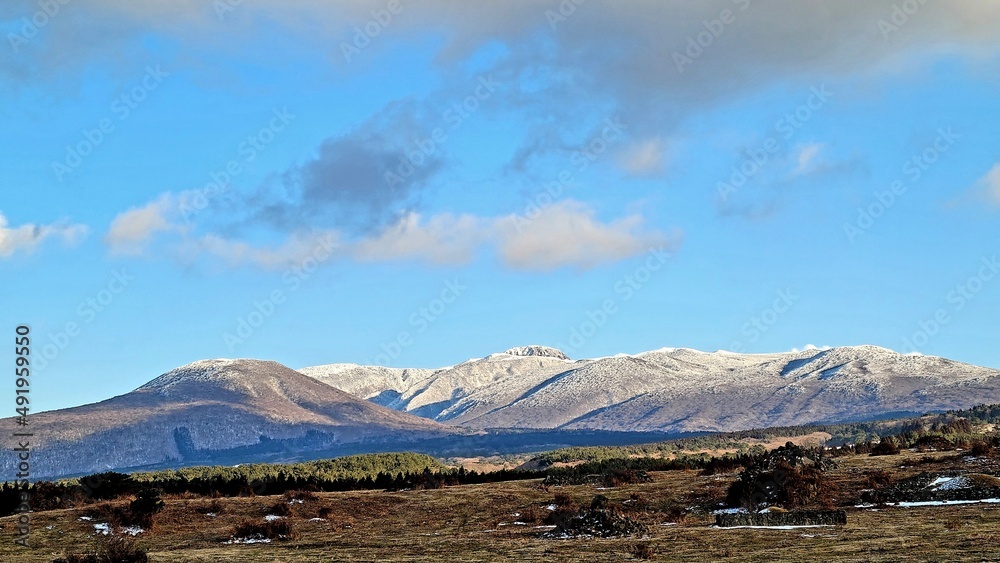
{"x":190,"y":180}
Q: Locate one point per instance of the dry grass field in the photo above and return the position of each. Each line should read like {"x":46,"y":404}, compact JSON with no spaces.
{"x":500,"y":522}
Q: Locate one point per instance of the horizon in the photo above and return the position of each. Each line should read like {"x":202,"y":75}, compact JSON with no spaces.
{"x":386,"y":184}
{"x":807,"y":348}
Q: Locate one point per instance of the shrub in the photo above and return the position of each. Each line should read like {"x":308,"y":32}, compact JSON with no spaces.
{"x":643,"y":551}
{"x":273,"y":530}
{"x":107,"y":485}
{"x":141,"y":510}
{"x":887,"y":446}
{"x":598,"y":521}
{"x":789,"y":476}
{"x":981,"y":449}
{"x":637,"y":503}
{"x":301,"y":494}
{"x":672,"y":510}
{"x":110,"y":549}
{"x":280,"y":509}
{"x":214,"y":507}
{"x":533,"y":515}
{"x":563,"y":499}
{"x":878,"y":478}
{"x":619,"y":477}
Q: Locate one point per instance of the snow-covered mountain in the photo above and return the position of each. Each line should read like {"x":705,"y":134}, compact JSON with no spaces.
{"x":671,"y":389}
{"x":208,"y":412}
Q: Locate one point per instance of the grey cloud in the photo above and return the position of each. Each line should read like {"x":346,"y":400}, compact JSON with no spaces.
{"x":358,"y":182}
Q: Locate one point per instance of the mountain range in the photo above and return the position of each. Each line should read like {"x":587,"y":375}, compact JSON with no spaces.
{"x":671,"y":389}
{"x":233,"y":411}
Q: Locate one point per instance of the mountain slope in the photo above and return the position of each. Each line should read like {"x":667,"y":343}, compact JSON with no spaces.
{"x":208,"y":410}
{"x":427,"y":392}
{"x":678,"y":389}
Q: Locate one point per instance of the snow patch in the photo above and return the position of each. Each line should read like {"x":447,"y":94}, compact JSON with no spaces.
{"x":776,"y":527}
{"x":256,"y":539}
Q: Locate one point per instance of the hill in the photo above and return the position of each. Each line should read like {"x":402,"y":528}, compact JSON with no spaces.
{"x":215,"y":412}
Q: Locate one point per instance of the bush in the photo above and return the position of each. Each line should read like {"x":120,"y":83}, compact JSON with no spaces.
{"x":280,"y":509}
{"x":672,"y":510}
{"x":981,"y":449}
{"x":789,"y":476}
{"x":619,"y":477}
{"x":877,"y":478}
{"x":637,"y":503}
{"x":273,"y":530}
{"x":214,"y":507}
{"x":107,"y":485}
{"x":563,"y":499}
{"x":110,"y":549}
{"x":643,"y":551}
{"x":600,"y":520}
{"x":301,"y":494}
{"x":141,"y":510}
{"x":887,"y":446}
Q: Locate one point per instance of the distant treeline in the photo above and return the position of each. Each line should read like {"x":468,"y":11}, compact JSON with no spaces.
{"x":841,"y":434}
{"x":394,"y":471}
{"x":611,"y":466}
{"x":342,"y":468}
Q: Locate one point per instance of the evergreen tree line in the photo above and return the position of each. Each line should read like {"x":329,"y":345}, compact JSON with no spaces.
{"x":397,"y":471}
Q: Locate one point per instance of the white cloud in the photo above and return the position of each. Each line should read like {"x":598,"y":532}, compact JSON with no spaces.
{"x":132,"y":230}
{"x":564,"y":234}
{"x":296,"y":250}
{"x":990,"y":184}
{"x":567,"y":234}
{"x":811,"y":348}
{"x":27,"y":237}
{"x":443,"y":239}
{"x":645,"y":158}
{"x":806,"y":159}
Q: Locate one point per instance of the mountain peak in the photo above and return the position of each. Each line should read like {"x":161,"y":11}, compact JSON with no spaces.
{"x":536,"y":350}
{"x":217,"y":370}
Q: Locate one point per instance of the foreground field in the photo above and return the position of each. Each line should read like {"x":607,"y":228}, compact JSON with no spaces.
{"x":502,"y":522}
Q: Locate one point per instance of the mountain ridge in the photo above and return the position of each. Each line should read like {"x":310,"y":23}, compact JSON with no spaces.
{"x":674,"y":389}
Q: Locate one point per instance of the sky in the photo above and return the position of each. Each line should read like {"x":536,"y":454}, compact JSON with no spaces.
{"x":416,"y":184}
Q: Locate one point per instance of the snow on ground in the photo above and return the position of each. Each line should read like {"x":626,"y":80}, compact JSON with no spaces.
{"x":919,"y":503}
{"x":953,"y":483}
{"x":906,"y":504}
{"x":105,"y":529}
{"x":273,"y":517}
{"x":730,"y":511}
{"x":249,"y":540}
{"x":775,"y":527}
